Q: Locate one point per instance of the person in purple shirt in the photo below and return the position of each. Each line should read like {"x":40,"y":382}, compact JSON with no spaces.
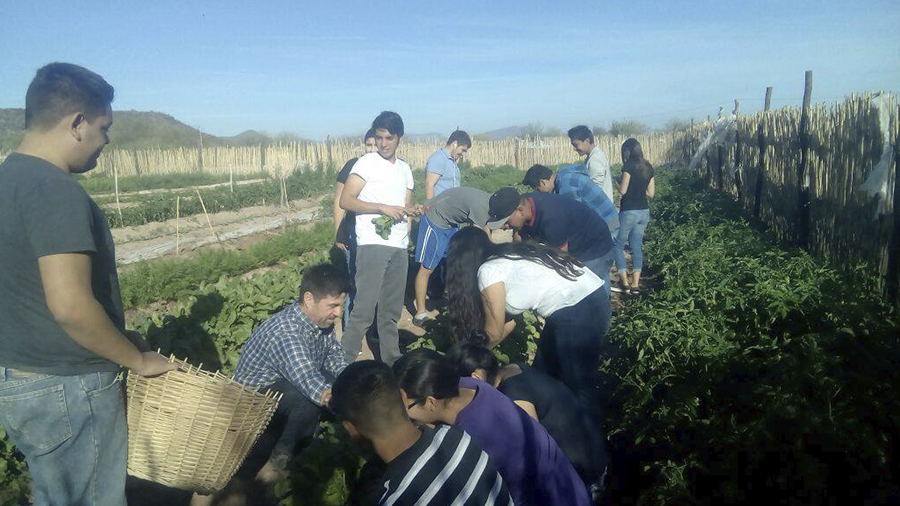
{"x":536,"y":471}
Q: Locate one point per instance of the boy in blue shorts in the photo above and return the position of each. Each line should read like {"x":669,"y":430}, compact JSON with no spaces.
{"x":441,"y":218}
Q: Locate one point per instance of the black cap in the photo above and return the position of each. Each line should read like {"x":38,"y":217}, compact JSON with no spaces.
{"x":502,"y":204}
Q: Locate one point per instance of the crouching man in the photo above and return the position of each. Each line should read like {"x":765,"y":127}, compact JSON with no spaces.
{"x":295,"y":352}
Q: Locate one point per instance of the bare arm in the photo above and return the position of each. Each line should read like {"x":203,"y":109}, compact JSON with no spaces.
{"x":528,"y":408}
{"x":409,"y":205}
{"x":67,"y":284}
{"x":495,"y":324}
{"x":623,"y":188}
{"x":338,"y":212}
{"x":431,"y":179}
{"x":651,"y":188}
{"x":350,"y":200}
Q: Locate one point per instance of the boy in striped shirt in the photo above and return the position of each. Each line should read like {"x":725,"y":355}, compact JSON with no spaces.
{"x":427,"y":467}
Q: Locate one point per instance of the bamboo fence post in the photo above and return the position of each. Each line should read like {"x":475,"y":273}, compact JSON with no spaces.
{"x":737,"y":149}
{"x":116,"y":183}
{"x":892,"y":275}
{"x":803,"y":192}
{"x":208,"y":222}
{"x":200,"y":152}
{"x":761,"y":142}
{"x":177,"y":226}
{"x":231,"y":177}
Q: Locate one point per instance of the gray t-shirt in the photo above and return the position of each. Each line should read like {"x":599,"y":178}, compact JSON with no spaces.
{"x":44,"y":211}
{"x":456,"y":206}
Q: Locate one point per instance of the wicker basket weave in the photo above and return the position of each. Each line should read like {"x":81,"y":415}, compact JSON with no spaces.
{"x":191,"y":429}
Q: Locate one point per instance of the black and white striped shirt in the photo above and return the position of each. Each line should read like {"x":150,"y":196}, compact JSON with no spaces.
{"x":444,"y":467}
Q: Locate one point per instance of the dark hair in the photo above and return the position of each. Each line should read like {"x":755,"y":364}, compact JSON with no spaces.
{"x":461,"y":138}
{"x":60,"y":89}
{"x":370,"y":134}
{"x":366,"y":394}
{"x":469,"y":357}
{"x":325,"y":280}
{"x":468,"y":250}
{"x":426,"y":373}
{"x":390,"y":121}
{"x":633,"y":157}
{"x":535,"y":174}
{"x":581,"y":133}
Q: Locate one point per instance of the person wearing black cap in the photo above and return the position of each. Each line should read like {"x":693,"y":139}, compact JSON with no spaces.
{"x":442,"y":217}
{"x":569,"y":225}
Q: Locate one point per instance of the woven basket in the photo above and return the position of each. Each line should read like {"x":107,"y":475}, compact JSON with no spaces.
{"x":191,"y":429}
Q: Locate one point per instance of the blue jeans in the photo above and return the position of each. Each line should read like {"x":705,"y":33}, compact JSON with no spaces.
{"x":632,"y":225}
{"x":601,"y":266}
{"x":72,"y":432}
{"x":569,"y":347}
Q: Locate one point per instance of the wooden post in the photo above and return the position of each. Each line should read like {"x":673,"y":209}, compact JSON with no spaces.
{"x":737,"y":150}
{"x":803,"y":192}
{"x":262,"y":157}
{"x":720,"y":163}
{"x":208,"y":222}
{"x":116,"y":183}
{"x":330,"y":160}
{"x":200,"y":152}
{"x":761,"y":142}
{"x":892,"y":277}
{"x":231,"y":177}
{"x":177,"y":225}
{"x":516,"y":154}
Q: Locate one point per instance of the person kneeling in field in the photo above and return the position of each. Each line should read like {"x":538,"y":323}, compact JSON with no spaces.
{"x":442,"y":218}
{"x":547,"y":400}
{"x":531,"y":463}
{"x":427,"y":466}
{"x":295,"y":352}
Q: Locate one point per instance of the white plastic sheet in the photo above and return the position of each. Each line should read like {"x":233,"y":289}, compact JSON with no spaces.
{"x":876,"y":185}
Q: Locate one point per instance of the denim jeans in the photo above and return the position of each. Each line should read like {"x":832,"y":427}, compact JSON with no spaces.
{"x":632,"y":225}
{"x":569,"y":347}
{"x":601,"y":266}
{"x":72,"y":432}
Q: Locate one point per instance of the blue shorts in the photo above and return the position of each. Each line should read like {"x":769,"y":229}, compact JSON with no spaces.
{"x":431,"y":246}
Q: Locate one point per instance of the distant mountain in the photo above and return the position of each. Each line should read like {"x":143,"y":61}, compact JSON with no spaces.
{"x":503,"y":133}
{"x":137,"y":130}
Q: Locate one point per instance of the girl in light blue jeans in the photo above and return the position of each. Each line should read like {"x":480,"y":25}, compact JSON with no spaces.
{"x":638,"y":186}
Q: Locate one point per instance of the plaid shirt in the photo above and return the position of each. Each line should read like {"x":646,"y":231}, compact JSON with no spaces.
{"x":572,"y":181}
{"x":288,"y":345}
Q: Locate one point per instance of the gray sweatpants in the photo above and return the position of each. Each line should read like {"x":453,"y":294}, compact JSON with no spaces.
{"x":380,"y":281}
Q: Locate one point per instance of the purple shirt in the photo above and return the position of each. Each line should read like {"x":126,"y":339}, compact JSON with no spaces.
{"x":535,"y":469}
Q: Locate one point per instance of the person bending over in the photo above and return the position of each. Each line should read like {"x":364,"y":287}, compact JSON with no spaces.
{"x":546,"y":399}
{"x":442,"y":218}
{"x":425,"y":466}
{"x":535,"y":469}
{"x":487,"y":281}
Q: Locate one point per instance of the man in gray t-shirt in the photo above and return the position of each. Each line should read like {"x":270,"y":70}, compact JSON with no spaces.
{"x":61,"y":337}
{"x":441,"y":218}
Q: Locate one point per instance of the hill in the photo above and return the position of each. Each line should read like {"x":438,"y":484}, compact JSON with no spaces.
{"x":136,"y":130}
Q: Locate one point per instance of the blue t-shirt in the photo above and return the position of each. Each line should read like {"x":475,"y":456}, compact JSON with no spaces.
{"x":560,"y":220}
{"x":536,"y":471}
{"x":440,"y":163}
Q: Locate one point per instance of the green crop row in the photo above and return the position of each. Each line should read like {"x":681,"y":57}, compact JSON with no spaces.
{"x":750,"y":373}
{"x":106,"y":184}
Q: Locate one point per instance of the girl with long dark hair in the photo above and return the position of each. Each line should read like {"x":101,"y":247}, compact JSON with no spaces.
{"x":638,"y":185}
{"x":487,"y":281}
{"x":536,"y":471}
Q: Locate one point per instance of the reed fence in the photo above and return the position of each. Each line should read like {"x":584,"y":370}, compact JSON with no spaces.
{"x":277,"y":159}
{"x":801,"y":170}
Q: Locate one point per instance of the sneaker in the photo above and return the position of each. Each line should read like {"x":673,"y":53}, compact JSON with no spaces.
{"x":634,"y":290}
{"x":617,"y":289}
{"x":421,"y":319}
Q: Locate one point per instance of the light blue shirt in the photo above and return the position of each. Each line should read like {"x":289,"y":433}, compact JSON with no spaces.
{"x":440,"y":163}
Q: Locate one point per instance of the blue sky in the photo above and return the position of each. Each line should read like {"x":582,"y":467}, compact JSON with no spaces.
{"x":319,"y":68}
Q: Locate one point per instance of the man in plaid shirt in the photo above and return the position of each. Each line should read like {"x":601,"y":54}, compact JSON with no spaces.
{"x":295,"y":352}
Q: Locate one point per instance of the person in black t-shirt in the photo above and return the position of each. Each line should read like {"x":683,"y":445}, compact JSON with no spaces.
{"x":546,"y":399}
{"x":435,"y":467}
{"x":638,"y":185}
